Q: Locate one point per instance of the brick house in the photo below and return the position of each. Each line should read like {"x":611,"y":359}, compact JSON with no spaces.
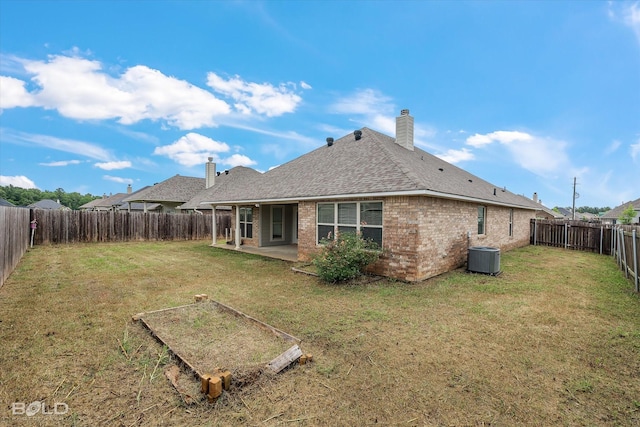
{"x":423,"y":211}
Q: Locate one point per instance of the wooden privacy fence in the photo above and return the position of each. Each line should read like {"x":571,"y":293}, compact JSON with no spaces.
{"x":621,"y":241}
{"x":14,"y":238}
{"x":58,"y":226}
{"x":626,"y":243}
{"x":578,"y":235}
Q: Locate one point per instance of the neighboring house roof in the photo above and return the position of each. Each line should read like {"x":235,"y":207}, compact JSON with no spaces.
{"x":565,"y":212}
{"x":371,"y":166}
{"x":90,"y":205}
{"x":4,"y":202}
{"x":138,"y":206}
{"x":617,"y":211}
{"x":556,"y":215}
{"x":175,"y":189}
{"x":46,"y":204}
{"x":238,"y":177}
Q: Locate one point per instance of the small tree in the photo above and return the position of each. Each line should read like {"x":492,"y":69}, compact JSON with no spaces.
{"x":345,"y":257}
{"x":627,"y":216}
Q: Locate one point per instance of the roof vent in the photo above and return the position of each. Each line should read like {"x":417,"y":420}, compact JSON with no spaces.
{"x":357,"y":134}
{"x":404,"y":112}
{"x":470,"y":180}
{"x":329,"y":142}
{"x":226,"y":172}
{"x":218,"y":173}
{"x":494,"y":191}
{"x":440,"y":169}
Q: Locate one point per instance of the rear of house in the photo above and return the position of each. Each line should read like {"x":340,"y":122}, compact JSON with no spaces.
{"x":422,"y":211}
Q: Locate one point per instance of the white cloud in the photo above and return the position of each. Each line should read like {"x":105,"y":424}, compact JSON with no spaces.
{"x":67,"y":145}
{"x":538,"y":155}
{"x":114,"y":165}
{"x":249,"y":97}
{"x":79,"y":88}
{"x":14,"y":94}
{"x":456,"y":156}
{"x":17,"y":181}
{"x":61,"y":163}
{"x":192,"y":149}
{"x":366,"y":102}
{"x":627,"y":13}
{"x":238,"y":160}
{"x":505,"y":137}
{"x":305,"y":85}
{"x":613,"y":147}
{"x":117,"y":179}
{"x":635,"y":151}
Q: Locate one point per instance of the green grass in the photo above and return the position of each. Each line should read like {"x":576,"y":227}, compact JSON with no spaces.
{"x":553,"y":340}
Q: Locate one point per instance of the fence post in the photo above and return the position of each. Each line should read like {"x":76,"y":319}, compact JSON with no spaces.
{"x":535,"y":231}
{"x":601,"y":237}
{"x":566,"y":237}
{"x":624,"y":255}
{"x":635,"y":260}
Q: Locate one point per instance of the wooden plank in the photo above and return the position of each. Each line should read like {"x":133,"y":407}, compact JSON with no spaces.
{"x":285,"y":359}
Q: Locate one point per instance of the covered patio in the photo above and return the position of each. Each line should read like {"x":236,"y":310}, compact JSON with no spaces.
{"x":283,"y":252}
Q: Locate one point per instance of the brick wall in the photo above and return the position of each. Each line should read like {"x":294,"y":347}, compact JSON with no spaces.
{"x":424,"y":236}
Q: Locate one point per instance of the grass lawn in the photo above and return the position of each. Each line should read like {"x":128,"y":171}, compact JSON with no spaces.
{"x":553,"y":340}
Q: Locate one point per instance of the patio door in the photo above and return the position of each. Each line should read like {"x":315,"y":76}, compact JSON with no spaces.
{"x":277,"y":223}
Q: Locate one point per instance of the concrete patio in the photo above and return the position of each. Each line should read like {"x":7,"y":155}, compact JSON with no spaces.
{"x":283,"y":252}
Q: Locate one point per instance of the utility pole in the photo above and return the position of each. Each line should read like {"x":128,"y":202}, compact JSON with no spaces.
{"x":575,"y":196}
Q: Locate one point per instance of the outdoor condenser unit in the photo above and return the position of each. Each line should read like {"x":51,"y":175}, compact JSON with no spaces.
{"x":483,"y":259}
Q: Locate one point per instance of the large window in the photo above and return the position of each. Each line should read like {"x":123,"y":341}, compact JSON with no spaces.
{"x":246,"y":222}
{"x":482,"y":216}
{"x":363,"y":217}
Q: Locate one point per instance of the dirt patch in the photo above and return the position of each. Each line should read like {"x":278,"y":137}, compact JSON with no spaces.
{"x":207,"y":337}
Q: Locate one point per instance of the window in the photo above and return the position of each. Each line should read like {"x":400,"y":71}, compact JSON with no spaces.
{"x":277,"y":223}
{"x":482,"y":213}
{"x":510,"y":222}
{"x":246,"y":222}
{"x":363,"y":217}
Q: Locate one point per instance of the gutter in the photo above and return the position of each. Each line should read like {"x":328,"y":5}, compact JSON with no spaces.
{"x":428,"y":193}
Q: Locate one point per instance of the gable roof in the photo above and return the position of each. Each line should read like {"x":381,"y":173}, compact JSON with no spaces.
{"x":372,"y":166}
{"x":4,"y":202}
{"x":175,"y":189}
{"x":617,"y":211}
{"x":235,"y":179}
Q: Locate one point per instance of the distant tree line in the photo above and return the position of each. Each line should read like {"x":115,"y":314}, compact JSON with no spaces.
{"x":25,"y":196}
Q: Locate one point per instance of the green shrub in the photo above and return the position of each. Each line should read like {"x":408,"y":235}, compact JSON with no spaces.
{"x":345,"y":257}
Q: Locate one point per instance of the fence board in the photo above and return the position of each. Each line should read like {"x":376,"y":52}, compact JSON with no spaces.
{"x":14,"y":238}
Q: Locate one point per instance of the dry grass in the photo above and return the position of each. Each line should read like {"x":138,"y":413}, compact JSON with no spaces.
{"x":554,"y":340}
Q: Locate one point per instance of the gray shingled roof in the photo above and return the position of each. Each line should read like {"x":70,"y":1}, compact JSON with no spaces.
{"x":374,"y":165}
{"x":46,"y":204}
{"x":617,"y":211}
{"x":7,"y":203}
{"x":236,"y":177}
{"x":175,"y":189}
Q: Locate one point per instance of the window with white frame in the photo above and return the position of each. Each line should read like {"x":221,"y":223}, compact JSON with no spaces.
{"x":482,"y":216}
{"x":246,"y":222}
{"x":363,"y":217}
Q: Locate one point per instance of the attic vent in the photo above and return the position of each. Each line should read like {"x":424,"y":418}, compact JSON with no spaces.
{"x":357,"y":134}
{"x":470,"y":180}
{"x":440,"y":169}
{"x":329,"y":142}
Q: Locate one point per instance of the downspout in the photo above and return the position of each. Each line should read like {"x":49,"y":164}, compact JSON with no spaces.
{"x":237,"y":237}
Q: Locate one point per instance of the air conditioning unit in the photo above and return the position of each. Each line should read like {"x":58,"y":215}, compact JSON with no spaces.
{"x":484,"y":259}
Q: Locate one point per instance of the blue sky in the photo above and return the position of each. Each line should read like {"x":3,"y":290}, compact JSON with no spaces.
{"x":95,"y":95}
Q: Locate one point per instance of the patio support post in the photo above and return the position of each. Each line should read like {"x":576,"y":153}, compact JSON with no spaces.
{"x":237,"y":237}
{"x":214,"y":231}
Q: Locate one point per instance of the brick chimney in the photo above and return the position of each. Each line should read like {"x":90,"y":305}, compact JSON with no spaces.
{"x":404,"y":130}
{"x":210,"y":173}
